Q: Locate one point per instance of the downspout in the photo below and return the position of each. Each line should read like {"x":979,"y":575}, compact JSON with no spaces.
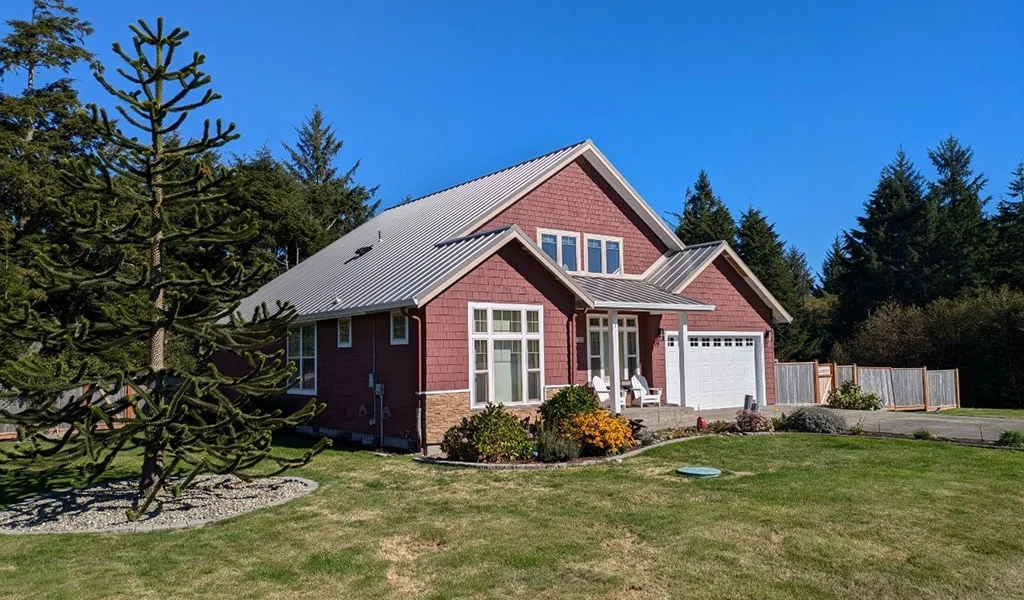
{"x":421,"y":399}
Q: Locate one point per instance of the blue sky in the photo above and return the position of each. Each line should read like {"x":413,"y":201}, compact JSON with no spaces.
{"x":791,"y":107}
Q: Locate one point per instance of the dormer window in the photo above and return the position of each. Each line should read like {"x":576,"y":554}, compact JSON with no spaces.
{"x":562,"y":247}
{"x":604,"y":255}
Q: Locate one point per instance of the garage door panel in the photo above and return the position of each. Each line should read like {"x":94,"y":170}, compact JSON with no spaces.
{"x":720,"y":370}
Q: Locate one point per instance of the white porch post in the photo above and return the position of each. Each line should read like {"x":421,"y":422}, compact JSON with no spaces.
{"x":684,"y":343}
{"x":618,"y":401}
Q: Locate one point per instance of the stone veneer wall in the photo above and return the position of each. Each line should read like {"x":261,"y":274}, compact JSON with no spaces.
{"x":445,"y":410}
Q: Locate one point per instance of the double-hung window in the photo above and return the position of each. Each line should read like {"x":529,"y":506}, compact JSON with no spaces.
{"x":506,"y":343}
{"x":562,"y":247}
{"x":302,"y":354}
{"x":399,"y":328}
{"x":604,"y":255}
{"x":345,"y":332}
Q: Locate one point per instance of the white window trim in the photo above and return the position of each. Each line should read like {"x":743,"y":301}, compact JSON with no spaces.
{"x":391,"y":328}
{"x":541,"y":231}
{"x":622,"y":349}
{"x":491,"y":336}
{"x":316,"y":360}
{"x":604,"y":256}
{"x":346,"y":344}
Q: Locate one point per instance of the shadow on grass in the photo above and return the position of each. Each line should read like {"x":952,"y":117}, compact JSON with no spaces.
{"x":15,"y":486}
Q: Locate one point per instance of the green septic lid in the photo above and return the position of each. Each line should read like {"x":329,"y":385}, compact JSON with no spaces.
{"x":700,"y":472}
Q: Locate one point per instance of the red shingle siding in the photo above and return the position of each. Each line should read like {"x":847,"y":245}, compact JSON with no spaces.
{"x":510,"y":276}
{"x":343,"y":378}
{"x":737,"y":308}
{"x":577,"y":198}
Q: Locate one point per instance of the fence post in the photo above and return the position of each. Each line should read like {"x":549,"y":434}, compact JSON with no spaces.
{"x":956,"y":383}
{"x":817,"y":385}
{"x":924,"y":380}
{"x":856,"y":376}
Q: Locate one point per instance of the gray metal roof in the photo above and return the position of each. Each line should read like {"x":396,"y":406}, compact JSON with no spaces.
{"x":408,"y":254}
{"x":680,"y":268}
{"x":635,"y":294}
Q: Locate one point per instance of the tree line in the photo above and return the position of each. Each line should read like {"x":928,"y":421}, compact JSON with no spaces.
{"x":925,"y":278}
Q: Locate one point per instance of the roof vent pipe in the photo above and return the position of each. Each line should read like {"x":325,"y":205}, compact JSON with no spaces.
{"x":380,"y":237}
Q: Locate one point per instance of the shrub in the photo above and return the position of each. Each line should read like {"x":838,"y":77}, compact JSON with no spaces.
{"x":925,"y":434}
{"x":598,"y":432}
{"x":719,"y":427}
{"x":816,"y":420}
{"x":780,"y":423}
{"x":491,"y":435}
{"x":552,"y":447}
{"x":567,"y":402}
{"x":749,"y":421}
{"x":851,"y":397}
{"x":858,"y":429}
{"x":1011,"y":438}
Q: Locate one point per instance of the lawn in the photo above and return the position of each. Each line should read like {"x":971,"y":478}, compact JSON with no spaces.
{"x":1001,"y":413}
{"x":794,"y":516}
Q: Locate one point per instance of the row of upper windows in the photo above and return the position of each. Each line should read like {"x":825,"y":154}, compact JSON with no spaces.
{"x":399,"y":330}
{"x":601,"y":255}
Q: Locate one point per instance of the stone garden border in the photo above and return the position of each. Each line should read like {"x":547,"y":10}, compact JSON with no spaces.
{"x":309,"y":487}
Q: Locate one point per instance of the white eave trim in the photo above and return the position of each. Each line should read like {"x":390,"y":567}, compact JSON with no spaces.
{"x":649,"y":307}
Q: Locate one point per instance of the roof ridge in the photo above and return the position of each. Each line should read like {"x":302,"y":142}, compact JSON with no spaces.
{"x":502,"y":170}
{"x":702,"y":244}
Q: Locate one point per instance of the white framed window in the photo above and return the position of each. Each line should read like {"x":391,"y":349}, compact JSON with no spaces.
{"x":599,"y":348}
{"x":506,"y":354}
{"x":399,"y":328}
{"x":603,"y":255}
{"x":562,"y":247}
{"x":302,"y":354}
{"x":345,"y":332}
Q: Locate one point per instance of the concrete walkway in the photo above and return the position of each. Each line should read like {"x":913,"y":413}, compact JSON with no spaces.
{"x":978,"y":429}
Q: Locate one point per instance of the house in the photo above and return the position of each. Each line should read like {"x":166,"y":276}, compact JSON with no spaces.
{"x":504,"y":289}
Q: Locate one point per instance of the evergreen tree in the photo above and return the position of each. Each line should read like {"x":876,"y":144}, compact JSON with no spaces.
{"x":759,"y":246}
{"x":888,"y":254}
{"x":279,"y":204}
{"x":1009,"y":255}
{"x":42,"y":124}
{"x":337,"y":202}
{"x":832,"y":267}
{"x":185,"y":420}
{"x":803,"y":279}
{"x":963,"y":241}
{"x":705,"y":218}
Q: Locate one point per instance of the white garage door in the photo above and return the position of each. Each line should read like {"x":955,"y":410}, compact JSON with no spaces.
{"x":720,"y":370}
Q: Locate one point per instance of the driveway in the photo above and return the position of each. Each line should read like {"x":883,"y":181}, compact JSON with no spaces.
{"x":979,"y":429}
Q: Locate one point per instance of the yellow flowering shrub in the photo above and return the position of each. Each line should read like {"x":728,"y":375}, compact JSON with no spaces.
{"x":598,"y":432}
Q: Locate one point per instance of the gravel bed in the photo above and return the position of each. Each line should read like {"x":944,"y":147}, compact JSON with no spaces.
{"x":101,"y":508}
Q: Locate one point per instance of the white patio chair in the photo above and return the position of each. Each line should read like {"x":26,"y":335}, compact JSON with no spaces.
{"x":643,"y":393}
{"x":604,"y":395}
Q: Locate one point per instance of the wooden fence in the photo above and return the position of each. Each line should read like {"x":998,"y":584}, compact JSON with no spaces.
{"x":899,"y":388}
{"x":8,"y":431}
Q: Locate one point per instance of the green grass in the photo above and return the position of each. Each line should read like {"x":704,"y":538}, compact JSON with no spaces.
{"x":794,"y":516}
{"x":1001,"y":413}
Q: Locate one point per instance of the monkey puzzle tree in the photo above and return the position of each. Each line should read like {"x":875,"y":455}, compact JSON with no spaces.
{"x":156,"y":197}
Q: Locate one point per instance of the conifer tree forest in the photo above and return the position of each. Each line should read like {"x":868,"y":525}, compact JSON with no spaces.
{"x":129,"y":236}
